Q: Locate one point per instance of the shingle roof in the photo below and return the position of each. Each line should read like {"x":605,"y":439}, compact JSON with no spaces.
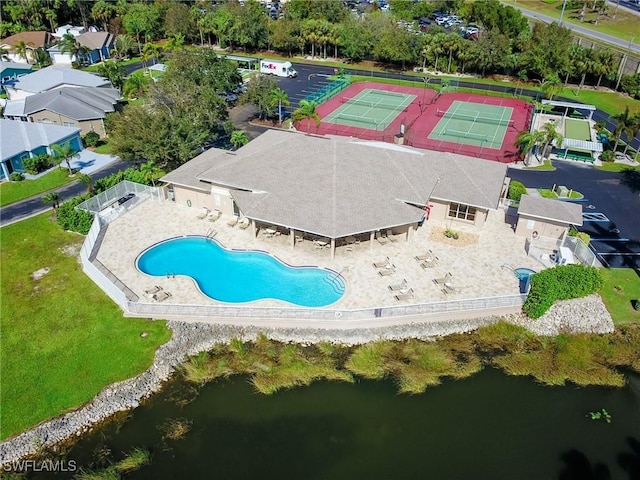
{"x":336,"y":186}
{"x":96,"y":40}
{"x":72,"y":102}
{"x":51,"y":77}
{"x":550,"y":209}
{"x":40,"y":39}
{"x":13,"y":65}
{"x":17,"y":137}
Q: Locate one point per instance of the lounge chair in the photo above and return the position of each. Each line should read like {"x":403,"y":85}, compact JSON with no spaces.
{"x":443,"y":280}
{"x":213,"y":216}
{"x":203,"y":213}
{"x":399,"y":287}
{"x":382,"y":239}
{"x":450,"y":288}
{"x":391,"y":237}
{"x":243,"y":223}
{"x":152,"y":291}
{"x":429,"y":263}
{"x":233,"y":221}
{"x":386,"y":271}
{"x":425,"y":256}
{"x":161,"y":296}
{"x":384,"y":263}
{"x":408,"y":295}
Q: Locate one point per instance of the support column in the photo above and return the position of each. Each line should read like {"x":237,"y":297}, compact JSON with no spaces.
{"x":254,"y":232}
{"x":372,"y":236}
{"x":292,"y":236}
{"x":5,"y":170}
{"x":333,"y":248}
{"x":410,"y":231}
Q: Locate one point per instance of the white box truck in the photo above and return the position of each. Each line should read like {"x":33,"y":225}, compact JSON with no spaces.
{"x":275,"y":67}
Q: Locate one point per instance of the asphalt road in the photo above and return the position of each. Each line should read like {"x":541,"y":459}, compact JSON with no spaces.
{"x":610,"y":207}
{"x":33,"y":206}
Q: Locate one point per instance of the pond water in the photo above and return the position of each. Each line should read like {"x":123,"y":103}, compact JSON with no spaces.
{"x":489,"y":426}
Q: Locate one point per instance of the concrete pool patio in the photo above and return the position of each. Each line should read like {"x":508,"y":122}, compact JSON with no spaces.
{"x":476,"y":268}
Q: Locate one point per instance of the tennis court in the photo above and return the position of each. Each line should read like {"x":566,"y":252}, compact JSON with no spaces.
{"x":577,"y":129}
{"x":472,"y":123}
{"x":370,"y":109}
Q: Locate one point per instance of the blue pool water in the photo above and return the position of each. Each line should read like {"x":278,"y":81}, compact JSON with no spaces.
{"x":241,"y":276}
{"x":523,"y":273}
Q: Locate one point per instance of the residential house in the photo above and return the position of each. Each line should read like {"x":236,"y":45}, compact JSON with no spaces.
{"x":33,"y":41}
{"x":82,"y":107}
{"x":62,"y":30}
{"x":11,"y":71}
{"x":20,"y":140}
{"x":339,"y":186}
{"x":98,"y":44}
{"x":50,"y":78}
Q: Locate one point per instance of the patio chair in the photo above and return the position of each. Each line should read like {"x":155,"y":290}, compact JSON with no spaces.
{"x":399,"y":286}
{"x":429,"y":263}
{"x":450,"y":288}
{"x":161,"y":296}
{"x":391,"y":237}
{"x":233,"y":221}
{"x":384,"y":263}
{"x":425,"y":256}
{"x":408,"y":295}
{"x":213,"y":216}
{"x":382,"y":239}
{"x":152,"y":291}
{"x":319,"y":245}
{"x":203,"y":213}
{"x":244,"y":223}
{"x":443,"y":280}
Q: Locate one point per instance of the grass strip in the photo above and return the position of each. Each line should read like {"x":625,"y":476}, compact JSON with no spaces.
{"x":621,"y":286}
{"x":11,"y":192}
{"x":63,"y":340}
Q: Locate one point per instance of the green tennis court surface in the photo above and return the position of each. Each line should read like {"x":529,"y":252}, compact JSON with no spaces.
{"x":577,"y":129}
{"x":473,"y":124}
{"x":371,"y":109}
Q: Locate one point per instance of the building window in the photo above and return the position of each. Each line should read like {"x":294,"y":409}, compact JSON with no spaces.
{"x":69,"y":124}
{"x":462,"y":212}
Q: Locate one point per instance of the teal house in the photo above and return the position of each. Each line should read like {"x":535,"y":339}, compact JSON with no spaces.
{"x":10,"y":71}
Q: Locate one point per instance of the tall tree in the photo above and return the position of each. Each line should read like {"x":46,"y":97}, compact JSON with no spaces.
{"x":624,"y":122}
{"x":552,"y":85}
{"x":551,"y":135}
{"x":64,"y":153}
{"x":103,"y":11}
{"x":529,"y":142}
{"x":306,"y":111}
{"x":142,"y":20}
{"x":123,"y":44}
{"x":22,"y":49}
{"x":53,"y":199}
{"x":41,"y":57}
{"x":113,"y":71}
{"x":150,"y":172}
{"x":279,"y":97}
{"x":87,"y":181}
{"x":260,"y":94}
{"x":69,"y":44}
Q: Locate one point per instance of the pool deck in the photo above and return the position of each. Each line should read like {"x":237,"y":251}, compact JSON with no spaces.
{"x":476,"y":268}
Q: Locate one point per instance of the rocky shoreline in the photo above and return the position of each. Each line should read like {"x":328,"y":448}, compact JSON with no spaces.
{"x":586,"y":315}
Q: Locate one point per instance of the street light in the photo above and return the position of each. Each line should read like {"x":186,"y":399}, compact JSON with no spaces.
{"x":623,"y":62}
{"x":564,"y":5}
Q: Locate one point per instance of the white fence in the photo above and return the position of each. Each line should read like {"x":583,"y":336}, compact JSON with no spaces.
{"x":544,"y":248}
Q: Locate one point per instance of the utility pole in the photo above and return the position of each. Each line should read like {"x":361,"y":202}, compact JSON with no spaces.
{"x":564,"y":5}
{"x":623,"y":62}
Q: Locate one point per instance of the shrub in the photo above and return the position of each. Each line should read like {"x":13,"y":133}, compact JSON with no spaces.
{"x":37,"y":164}
{"x":16,"y":177}
{"x":91,"y":139}
{"x":585,"y":237}
{"x":608,"y":156}
{"x":451,"y":234}
{"x":560,"y":283}
{"x":630,"y":84}
{"x":75,"y":220}
{"x":516,"y":190}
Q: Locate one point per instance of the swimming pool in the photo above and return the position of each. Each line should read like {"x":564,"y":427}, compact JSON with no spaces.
{"x":241,"y":276}
{"x":523,"y":273}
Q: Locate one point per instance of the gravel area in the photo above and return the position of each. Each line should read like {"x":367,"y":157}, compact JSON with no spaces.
{"x":189,"y":338}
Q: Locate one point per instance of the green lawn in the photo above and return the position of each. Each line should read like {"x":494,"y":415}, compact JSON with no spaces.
{"x":104,"y":148}
{"x":621,"y":285}
{"x":63,"y":340}
{"x":546,"y":166}
{"x":624,"y":26}
{"x":610,"y":102}
{"x":11,"y":192}
{"x":547,"y":193}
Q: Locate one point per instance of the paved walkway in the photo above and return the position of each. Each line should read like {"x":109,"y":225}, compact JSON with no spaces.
{"x":476,"y":268}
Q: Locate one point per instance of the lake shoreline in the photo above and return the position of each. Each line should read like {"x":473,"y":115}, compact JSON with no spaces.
{"x":586,"y":315}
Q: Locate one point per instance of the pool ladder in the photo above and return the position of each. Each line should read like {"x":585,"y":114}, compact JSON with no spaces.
{"x":508,"y":267}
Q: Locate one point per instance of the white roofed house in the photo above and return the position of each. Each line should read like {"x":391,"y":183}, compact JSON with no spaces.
{"x":332,"y":188}
{"x":81,"y":107}
{"x":20,"y":140}
{"x":50,"y":78}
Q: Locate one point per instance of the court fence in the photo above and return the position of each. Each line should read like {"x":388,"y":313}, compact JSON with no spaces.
{"x":330,"y":90}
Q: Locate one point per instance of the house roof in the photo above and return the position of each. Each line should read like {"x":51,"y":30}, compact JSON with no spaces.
{"x":337,"y":186}
{"x":73,"y":102}
{"x":17,"y":137}
{"x":41,"y":39}
{"x":53,"y":77}
{"x":96,"y":40}
{"x":550,"y":209}
{"x":13,"y":65}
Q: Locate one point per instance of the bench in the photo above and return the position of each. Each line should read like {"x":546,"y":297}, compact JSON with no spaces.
{"x":580,"y":158}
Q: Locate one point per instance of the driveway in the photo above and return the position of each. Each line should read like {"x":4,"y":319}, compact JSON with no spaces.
{"x":610,"y":207}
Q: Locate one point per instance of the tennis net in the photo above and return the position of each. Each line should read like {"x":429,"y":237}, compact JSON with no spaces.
{"x":475,"y":118}
{"x":357,"y":119}
{"x":471,"y":135}
{"x":366,"y":103}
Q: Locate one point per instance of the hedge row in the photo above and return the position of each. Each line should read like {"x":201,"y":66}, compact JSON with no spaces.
{"x":562,"y":282}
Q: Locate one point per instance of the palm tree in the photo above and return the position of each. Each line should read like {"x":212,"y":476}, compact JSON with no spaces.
{"x":4,"y":54}
{"x":112,"y":70}
{"x":22,"y":49}
{"x":550,"y":135}
{"x":527,"y":141}
{"x":306,"y":111}
{"x":53,"y":199}
{"x":123,"y":45}
{"x":239,"y":138}
{"x":41,"y":57}
{"x":552,"y":85}
{"x":150,"y":171}
{"x":69,"y":44}
{"x":87,"y":181}
{"x":280,"y":97}
{"x":624,"y":122}
{"x":64,"y":153}
{"x":149,"y":51}
{"x":632,"y":130}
